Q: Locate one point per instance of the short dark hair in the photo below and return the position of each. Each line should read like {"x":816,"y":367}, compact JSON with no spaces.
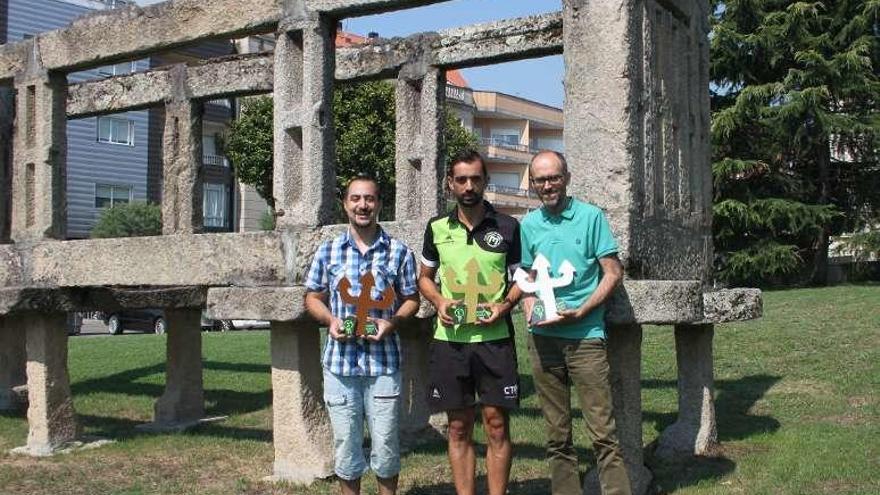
{"x":559,"y":156}
{"x":363,"y":177}
{"x":466,"y":156}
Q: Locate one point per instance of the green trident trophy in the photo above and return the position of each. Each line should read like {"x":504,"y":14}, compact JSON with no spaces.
{"x":469,"y":311}
{"x":358,"y":324}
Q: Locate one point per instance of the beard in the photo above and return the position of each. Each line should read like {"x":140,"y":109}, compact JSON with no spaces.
{"x":472,"y":199}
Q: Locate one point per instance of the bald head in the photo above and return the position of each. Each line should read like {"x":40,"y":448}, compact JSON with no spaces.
{"x":552,"y":157}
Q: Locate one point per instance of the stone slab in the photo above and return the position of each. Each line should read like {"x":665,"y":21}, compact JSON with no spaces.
{"x":656,"y":302}
{"x":21,"y":300}
{"x":641,"y":301}
{"x":253,"y":73}
{"x":173,"y":260}
{"x":130,"y":32}
{"x":728,"y":305}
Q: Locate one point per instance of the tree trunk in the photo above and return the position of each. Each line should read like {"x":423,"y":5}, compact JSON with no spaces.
{"x":819,"y":274}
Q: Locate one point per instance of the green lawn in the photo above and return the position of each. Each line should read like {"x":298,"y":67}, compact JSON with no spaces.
{"x":796,"y":395}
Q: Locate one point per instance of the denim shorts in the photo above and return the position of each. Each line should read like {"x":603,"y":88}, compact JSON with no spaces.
{"x":352,"y":399}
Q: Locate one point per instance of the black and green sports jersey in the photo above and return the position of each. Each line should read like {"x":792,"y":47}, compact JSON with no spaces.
{"x":482,"y":256}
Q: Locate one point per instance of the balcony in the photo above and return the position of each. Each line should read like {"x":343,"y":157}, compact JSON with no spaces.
{"x":512,"y":200}
{"x":500,"y":143}
{"x":511,"y":191}
{"x":215,"y":160}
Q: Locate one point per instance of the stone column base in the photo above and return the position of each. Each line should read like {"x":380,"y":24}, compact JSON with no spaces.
{"x":51,"y":418}
{"x":301,"y":428}
{"x":182,"y":405}
{"x":695,"y":432}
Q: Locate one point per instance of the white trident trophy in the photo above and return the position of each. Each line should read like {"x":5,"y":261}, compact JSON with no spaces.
{"x":543,"y":285}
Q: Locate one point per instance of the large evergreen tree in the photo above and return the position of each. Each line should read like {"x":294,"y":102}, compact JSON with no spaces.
{"x":364,"y":120}
{"x":795,"y":128}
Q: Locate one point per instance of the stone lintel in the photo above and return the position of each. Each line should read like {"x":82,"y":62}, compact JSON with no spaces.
{"x":656,"y":302}
{"x":273,"y":258}
{"x":173,"y":260}
{"x":128,"y":92}
{"x":641,"y":301}
{"x":127,"y":33}
{"x":253,"y":73}
{"x":14,"y":300}
{"x":257,"y":303}
{"x":740,"y":304}
{"x":354,"y":8}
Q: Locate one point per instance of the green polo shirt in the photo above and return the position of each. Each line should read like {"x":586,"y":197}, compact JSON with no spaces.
{"x":492,"y":247}
{"x":579,"y":234}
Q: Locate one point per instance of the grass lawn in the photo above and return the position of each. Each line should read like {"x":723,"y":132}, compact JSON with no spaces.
{"x":796,"y":396}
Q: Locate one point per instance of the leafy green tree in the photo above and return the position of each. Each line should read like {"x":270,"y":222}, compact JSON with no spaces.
{"x":129,"y":220}
{"x":795,"y":129}
{"x":364,"y":121}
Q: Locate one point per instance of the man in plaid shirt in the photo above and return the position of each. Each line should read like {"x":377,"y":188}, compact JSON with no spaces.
{"x":362,"y":375}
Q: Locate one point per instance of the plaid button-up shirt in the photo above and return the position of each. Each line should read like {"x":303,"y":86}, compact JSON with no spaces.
{"x":392,"y":264}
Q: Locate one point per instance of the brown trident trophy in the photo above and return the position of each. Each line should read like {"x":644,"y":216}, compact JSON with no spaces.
{"x":472,"y":290}
{"x":359,"y":325}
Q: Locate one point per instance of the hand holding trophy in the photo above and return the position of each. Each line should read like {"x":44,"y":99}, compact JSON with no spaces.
{"x":546,"y":308}
{"x":359,"y":325}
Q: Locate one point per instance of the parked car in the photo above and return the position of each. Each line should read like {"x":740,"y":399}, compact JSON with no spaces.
{"x":148,"y":320}
{"x":153,"y":320}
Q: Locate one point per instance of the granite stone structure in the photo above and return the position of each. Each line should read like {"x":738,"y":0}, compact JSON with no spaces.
{"x":637,"y":141}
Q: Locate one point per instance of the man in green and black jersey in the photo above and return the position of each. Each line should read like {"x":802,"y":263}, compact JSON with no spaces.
{"x":475,"y":249}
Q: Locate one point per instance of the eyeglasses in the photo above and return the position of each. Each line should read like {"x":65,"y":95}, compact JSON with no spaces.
{"x":553,"y":180}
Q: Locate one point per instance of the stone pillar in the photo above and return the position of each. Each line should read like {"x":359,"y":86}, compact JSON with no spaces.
{"x":183,"y":403}
{"x":695,"y":431}
{"x":415,"y":424}
{"x":51,"y":417}
{"x":625,"y":360}
{"x":39,"y":157}
{"x":7,"y":113}
{"x":419,"y":169}
{"x":182,"y":167}
{"x":301,"y":429}
{"x":13,"y":360}
{"x":304,"y":177}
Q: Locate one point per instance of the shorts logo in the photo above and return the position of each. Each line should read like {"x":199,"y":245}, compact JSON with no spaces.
{"x":435,"y":393}
{"x":493,"y":239}
{"x":511,"y":391}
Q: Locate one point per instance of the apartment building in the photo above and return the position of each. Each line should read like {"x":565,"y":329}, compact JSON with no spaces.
{"x":510,"y":130}
{"x":116,"y":159}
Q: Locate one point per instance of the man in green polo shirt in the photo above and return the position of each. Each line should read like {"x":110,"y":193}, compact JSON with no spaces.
{"x":472,"y":354}
{"x":571,"y":348}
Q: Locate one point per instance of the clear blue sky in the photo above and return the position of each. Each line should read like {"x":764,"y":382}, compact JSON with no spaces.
{"x":535,"y":79}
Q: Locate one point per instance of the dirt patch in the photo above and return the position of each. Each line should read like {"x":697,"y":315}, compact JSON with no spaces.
{"x":860,"y":401}
{"x":802,"y":387}
{"x":837,"y":487}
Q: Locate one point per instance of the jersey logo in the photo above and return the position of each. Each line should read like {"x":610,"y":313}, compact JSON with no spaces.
{"x":493,"y":239}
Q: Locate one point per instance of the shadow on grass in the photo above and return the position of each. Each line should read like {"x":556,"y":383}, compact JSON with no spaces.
{"x":733,"y":400}
{"x":670,"y":476}
{"x":125,"y":429}
{"x":225,"y":402}
{"x":527,"y":487}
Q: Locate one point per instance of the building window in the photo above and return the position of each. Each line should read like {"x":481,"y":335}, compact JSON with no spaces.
{"x":505,"y":136}
{"x":118,"y":69}
{"x":115,"y":130}
{"x":107,"y":196}
{"x":214,"y":204}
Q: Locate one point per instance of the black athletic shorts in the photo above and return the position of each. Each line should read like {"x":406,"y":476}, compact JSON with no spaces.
{"x":458,"y":373}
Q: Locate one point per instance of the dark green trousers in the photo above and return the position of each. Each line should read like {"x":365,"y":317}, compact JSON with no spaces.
{"x":557,"y":364}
